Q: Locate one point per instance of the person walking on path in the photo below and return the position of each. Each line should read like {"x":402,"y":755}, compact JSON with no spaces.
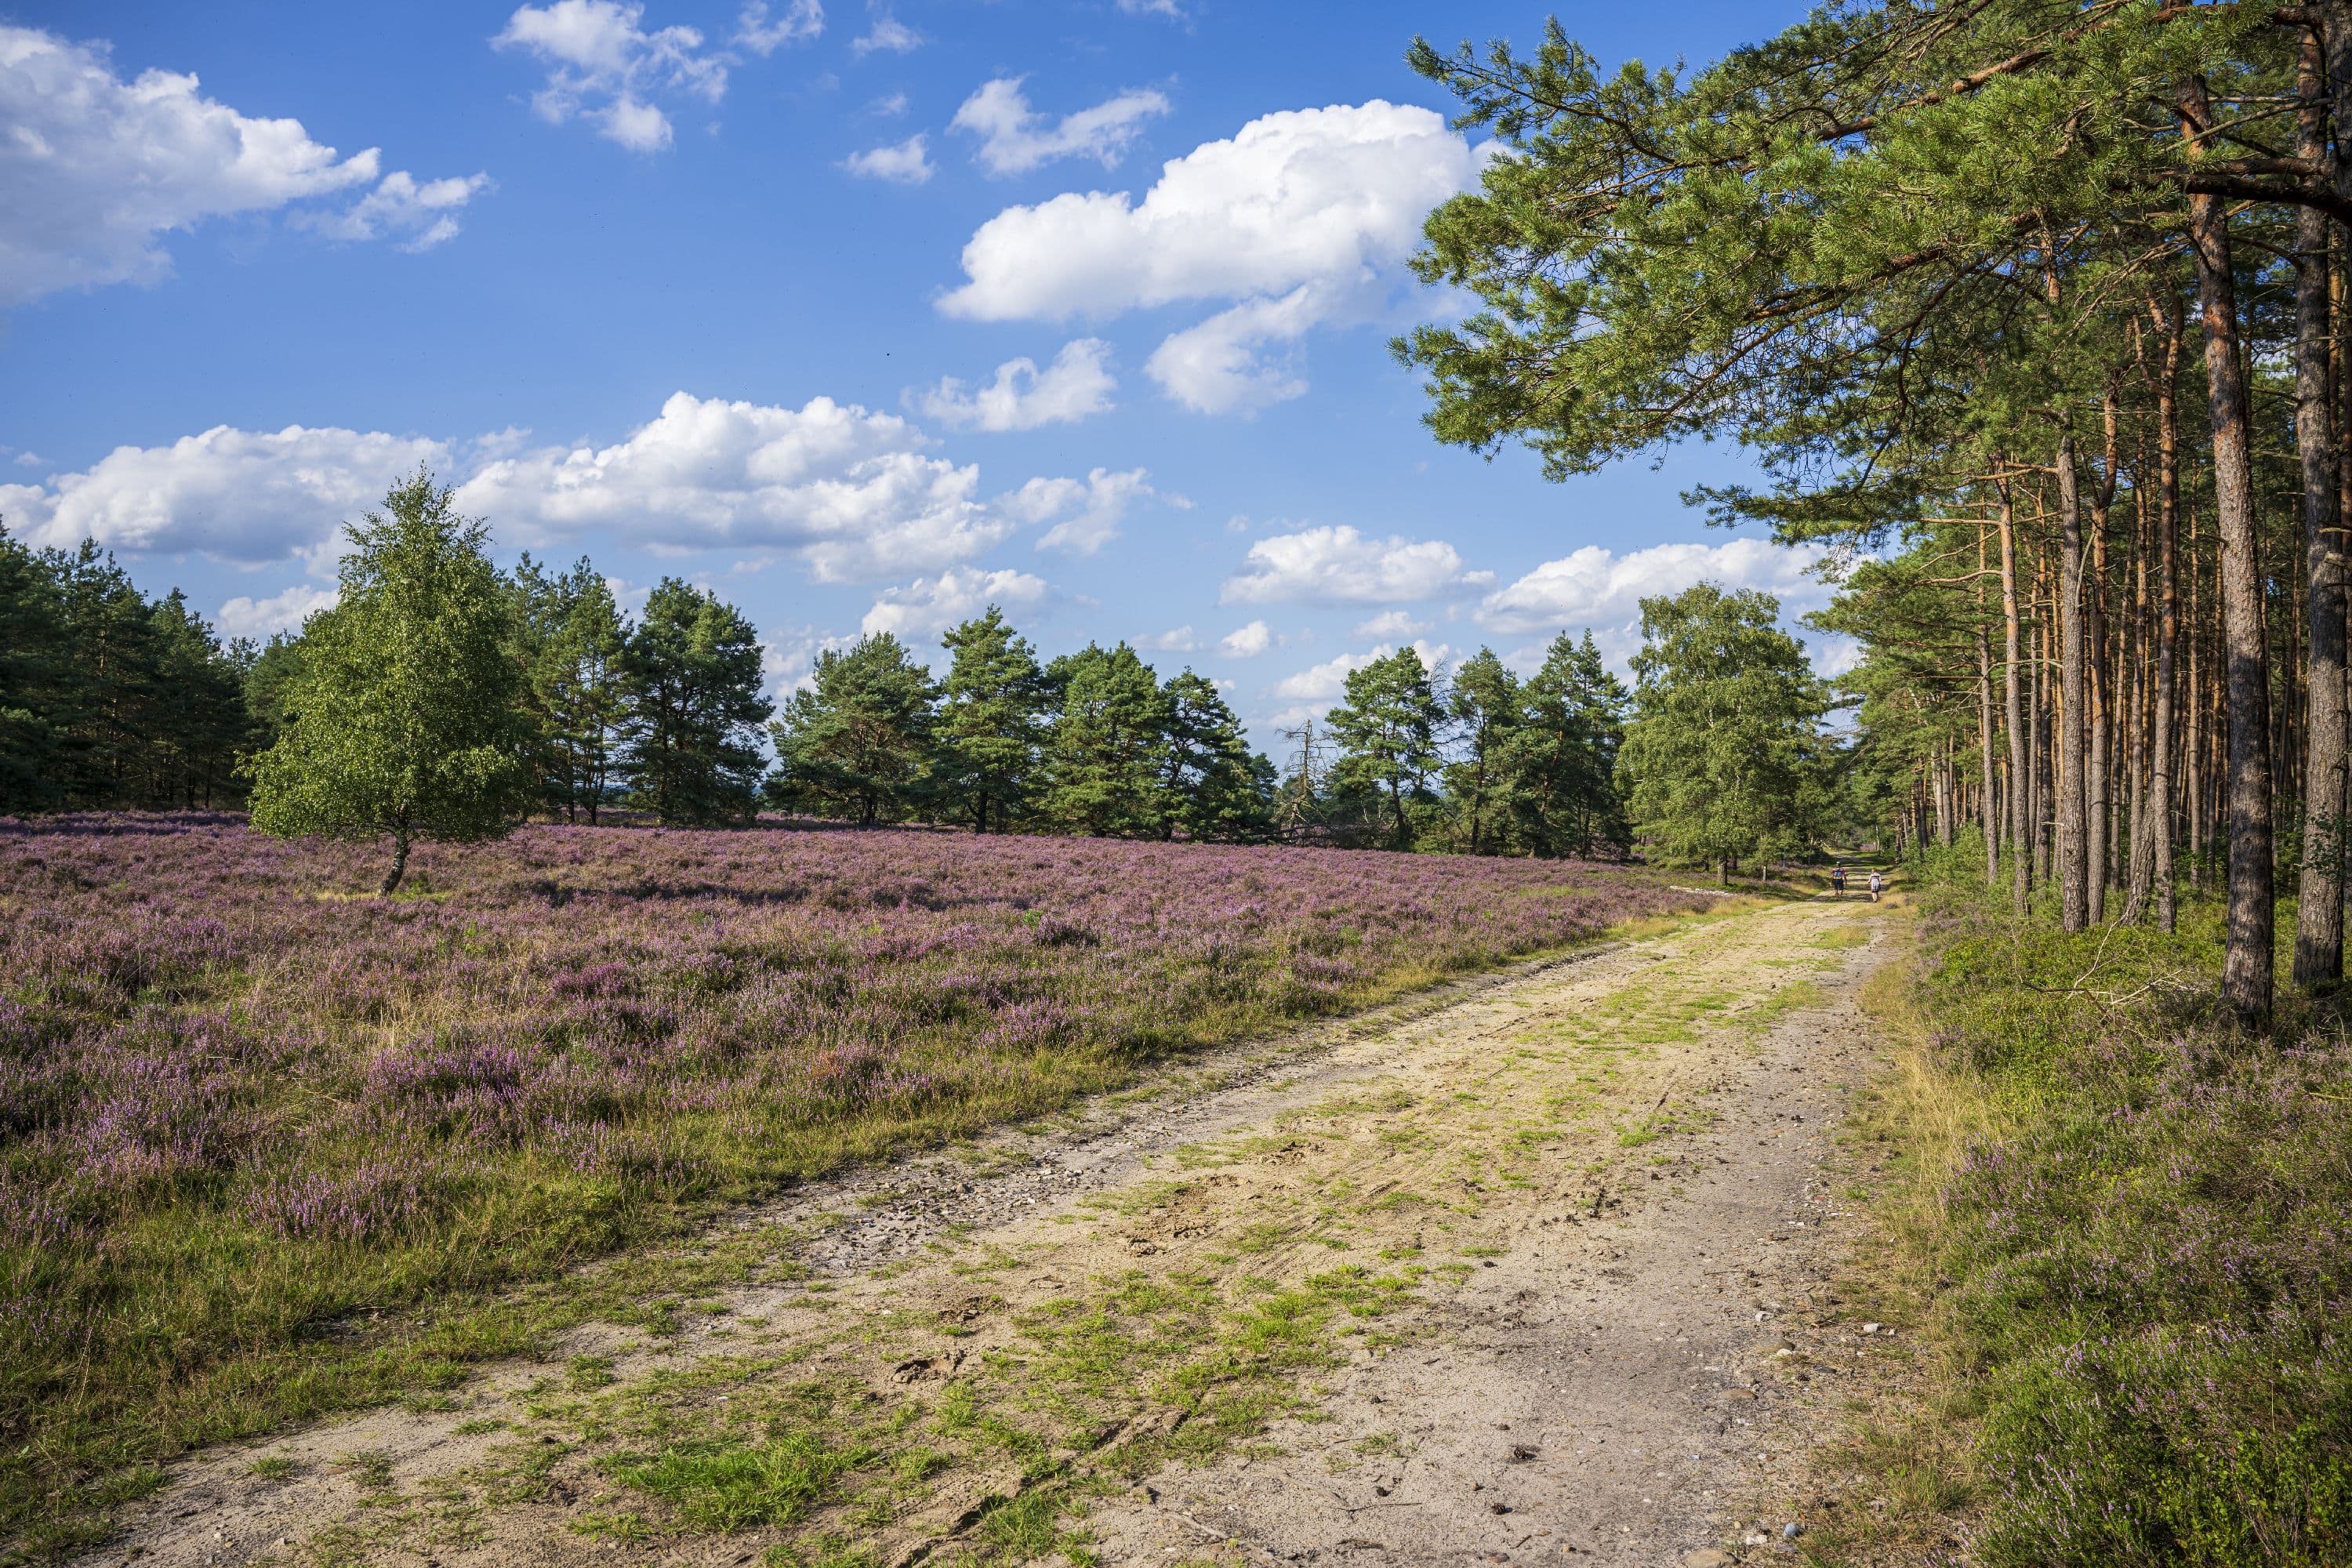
{"x":1873,"y":885}
{"x":1837,"y":881}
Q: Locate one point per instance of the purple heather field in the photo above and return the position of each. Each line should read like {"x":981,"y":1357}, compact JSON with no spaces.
{"x":216,"y":1046}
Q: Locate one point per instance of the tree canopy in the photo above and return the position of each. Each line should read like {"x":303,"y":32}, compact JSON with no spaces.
{"x":405,"y":721}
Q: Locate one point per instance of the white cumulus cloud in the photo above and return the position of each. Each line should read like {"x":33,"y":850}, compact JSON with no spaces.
{"x":788,"y":662}
{"x":1599,"y":588}
{"x":1217,"y":367}
{"x":1339,"y":565}
{"x":244,"y":496}
{"x":283,"y":611}
{"x":1391,"y":625}
{"x":94,"y":171}
{"x":1301,"y":217}
{"x":604,"y":67}
{"x":1246,"y":642}
{"x":853,"y":492}
{"x":1300,"y":196}
{"x":1181,"y":640}
{"x":1328,"y":681}
{"x":1023,"y":397}
{"x":1085,"y":514}
{"x":924,"y":608}
{"x":904,"y":162}
{"x":1016,"y":138}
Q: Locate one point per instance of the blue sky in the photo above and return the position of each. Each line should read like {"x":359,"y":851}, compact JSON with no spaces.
{"x":863,"y":314}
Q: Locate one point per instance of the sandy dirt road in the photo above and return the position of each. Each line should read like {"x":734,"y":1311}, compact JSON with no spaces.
{"x":1533,"y":1270}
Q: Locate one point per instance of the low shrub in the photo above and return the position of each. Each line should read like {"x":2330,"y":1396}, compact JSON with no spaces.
{"x":2148,"y":1268}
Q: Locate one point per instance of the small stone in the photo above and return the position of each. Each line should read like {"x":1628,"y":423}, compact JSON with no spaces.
{"x":1791,"y":1531}
{"x":1498,"y":1508}
{"x":1869,"y":1327}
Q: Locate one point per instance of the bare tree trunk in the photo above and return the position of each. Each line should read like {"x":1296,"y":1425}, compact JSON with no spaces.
{"x":2038,"y":725}
{"x":2152,"y":850}
{"x":2019,"y":847}
{"x":2137,"y":667}
{"x":1989,"y":783}
{"x":2074,"y":869}
{"x":2193,"y":720}
{"x":2248,"y":947}
{"x":2167,"y":637}
{"x":2319,"y":895}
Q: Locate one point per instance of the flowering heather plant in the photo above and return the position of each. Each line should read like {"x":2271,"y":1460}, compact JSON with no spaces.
{"x":2151,"y":1268}
{"x":239,"y":1098}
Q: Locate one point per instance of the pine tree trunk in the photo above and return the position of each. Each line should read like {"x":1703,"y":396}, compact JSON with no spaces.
{"x":1989,"y":783}
{"x":2074,"y":868}
{"x":2319,"y":896}
{"x":2020,"y":851}
{"x":2098,"y":716}
{"x":2247,"y":950}
{"x":2152,"y":850}
{"x":2167,"y":636}
{"x":2038,"y":733}
{"x":2193,"y":720}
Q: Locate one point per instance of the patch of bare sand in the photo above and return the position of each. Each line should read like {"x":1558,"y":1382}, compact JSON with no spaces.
{"x":1512,"y":1279}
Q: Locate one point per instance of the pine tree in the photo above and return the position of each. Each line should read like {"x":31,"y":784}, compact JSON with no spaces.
{"x":1560,"y":761}
{"x":691,"y":672}
{"x":1483,"y":704}
{"x":1103,"y":753}
{"x":855,"y":739}
{"x":991,"y":722}
{"x":32,"y":654}
{"x":573,"y":653}
{"x":1387,"y":735}
{"x":198,"y":717}
{"x":1212,"y":785}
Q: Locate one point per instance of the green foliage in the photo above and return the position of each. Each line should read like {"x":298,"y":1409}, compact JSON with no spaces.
{"x":1387,"y":731}
{"x":1722,"y":762}
{"x":990,"y":724}
{"x":2144,"y":1264}
{"x":1104,"y":756}
{"x":854,"y":740}
{"x":691,"y":671}
{"x":572,"y":642}
{"x":107,"y":698}
{"x":269,"y":679}
{"x":1484,"y":705}
{"x":405,"y":706}
{"x":1215,"y":789}
{"x":1561,"y":758}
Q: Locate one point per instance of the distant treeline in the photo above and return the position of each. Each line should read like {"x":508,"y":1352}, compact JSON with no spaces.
{"x":108,"y":699}
{"x":1096,"y":743}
